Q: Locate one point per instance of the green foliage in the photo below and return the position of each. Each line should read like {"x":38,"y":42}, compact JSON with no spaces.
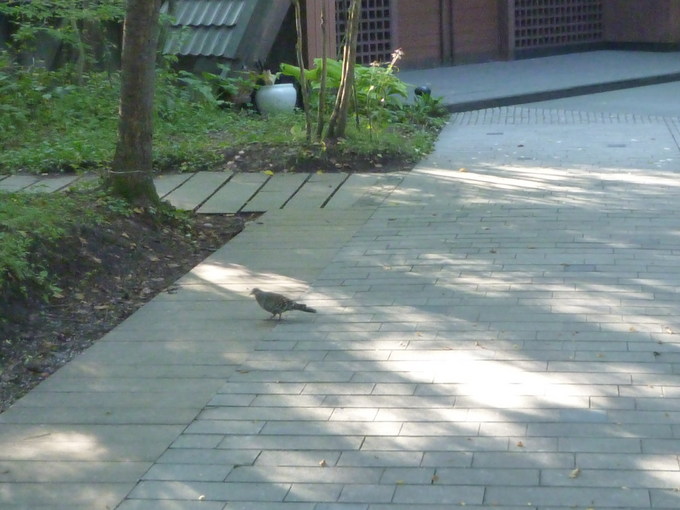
{"x":31,"y":226}
{"x":427,"y":111}
{"x":68,"y":22}
{"x":379,"y":93}
{"x":376,"y":85}
{"x":50,"y":123}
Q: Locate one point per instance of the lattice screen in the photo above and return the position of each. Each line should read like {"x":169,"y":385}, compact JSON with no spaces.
{"x":547,"y":23}
{"x":375,"y":39}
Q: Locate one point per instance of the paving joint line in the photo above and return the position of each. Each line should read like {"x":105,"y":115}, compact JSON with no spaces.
{"x":297,"y":190}
{"x":254,"y":194}
{"x":337,"y":188}
{"x":201,"y":204}
{"x":673,"y":125}
{"x":179,"y":185}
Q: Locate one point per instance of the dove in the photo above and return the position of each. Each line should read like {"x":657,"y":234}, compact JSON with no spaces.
{"x":276,"y":304}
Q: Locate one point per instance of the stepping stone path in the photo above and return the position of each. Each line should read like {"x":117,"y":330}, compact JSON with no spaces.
{"x":227,"y":192}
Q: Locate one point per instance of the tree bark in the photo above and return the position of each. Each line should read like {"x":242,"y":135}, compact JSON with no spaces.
{"x":301,"y":62}
{"x":338,"y":121}
{"x":131,"y":174}
{"x":324,"y":73}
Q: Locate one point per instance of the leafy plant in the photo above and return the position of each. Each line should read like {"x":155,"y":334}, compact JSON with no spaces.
{"x":378,"y":91}
{"x":31,"y":226}
{"x":75,"y":25}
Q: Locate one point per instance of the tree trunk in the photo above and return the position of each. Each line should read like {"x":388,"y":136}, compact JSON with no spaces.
{"x":301,"y":62}
{"x":338,"y":121}
{"x":131,"y":175}
{"x":324,"y":74}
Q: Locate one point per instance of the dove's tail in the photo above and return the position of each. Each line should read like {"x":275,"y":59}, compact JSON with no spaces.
{"x":303,"y":308}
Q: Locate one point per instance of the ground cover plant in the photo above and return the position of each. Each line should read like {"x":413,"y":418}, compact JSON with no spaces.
{"x":50,"y":123}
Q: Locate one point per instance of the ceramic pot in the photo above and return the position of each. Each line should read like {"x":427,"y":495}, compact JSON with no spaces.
{"x":279,"y":98}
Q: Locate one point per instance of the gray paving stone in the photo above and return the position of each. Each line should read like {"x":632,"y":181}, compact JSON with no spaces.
{"x":197,"y":189}
{"x":83,"y":442}
{"x":50,"y":184}
{"x":317,"y":492}
{"x":458,"y":495}
{"x":17,"y":182}
{"x":367,"y":493}
{"x":210,"y":491}
{"x":317,"y":474}
{"x":53,"y":495}
{"x":208,"y":455}
{"x":275,"y":192}
{"x":355,"y":191}
{"x":234,"y":194}
{"x":147,"y":504}
{"x":78,"y":472}
{"x":188,"y":472}
{"x":568,"y":496}
{"x":165,"y":183}
{"x":316,"y":191}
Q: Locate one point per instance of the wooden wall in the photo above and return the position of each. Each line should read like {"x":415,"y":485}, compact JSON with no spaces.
{"x":636,"y":21}
{"x":476,"y":30}
{"x":417,"y":31}
{"x":434,"y":32}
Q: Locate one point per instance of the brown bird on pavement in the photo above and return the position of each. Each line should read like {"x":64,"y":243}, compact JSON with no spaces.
{"x":276,"y":304}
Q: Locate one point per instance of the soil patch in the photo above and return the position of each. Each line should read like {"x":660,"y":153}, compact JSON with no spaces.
{"x":261,"y":157}
{"x":105,"y":275}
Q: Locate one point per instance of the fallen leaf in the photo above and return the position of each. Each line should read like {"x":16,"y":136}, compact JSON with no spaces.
{"x":575,"y":473}
{"x":520,"y":444}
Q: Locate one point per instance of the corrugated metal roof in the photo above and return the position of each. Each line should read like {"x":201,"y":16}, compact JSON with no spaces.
{"x":239,"y":30}
{"x":206,"y":41}
{"x":205,"y":27}
{"x":197,"y":13}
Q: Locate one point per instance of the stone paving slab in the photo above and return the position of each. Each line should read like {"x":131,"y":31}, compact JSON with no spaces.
{"x":125,"y":400}
{"x":235,"y":194}
{"x":491,"y":84}
{"x":17,"y":182}
{"x":479,"y":337}
{"x":165,"y":183}
{"x":50,"y":184}
{"x":197,"y":189}
{"x":275,"y":192}
{"x":316,"y":191}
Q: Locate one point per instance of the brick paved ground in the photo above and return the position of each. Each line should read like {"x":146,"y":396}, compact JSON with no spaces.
{"x":500,"y":332}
